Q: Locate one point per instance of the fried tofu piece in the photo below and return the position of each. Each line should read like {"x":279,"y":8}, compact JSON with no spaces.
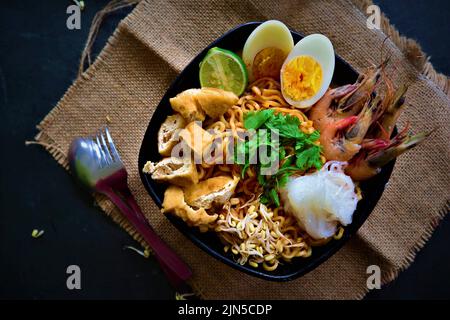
{"x":211,"y":192}
{"x":186,"y":104}
{"x":178,"y":171}
{"x":196,"y":138}
{"x":192,"y":104}
{"x":168,"y":133}
{"x":174,"y":203}
{"x":215,"y":102}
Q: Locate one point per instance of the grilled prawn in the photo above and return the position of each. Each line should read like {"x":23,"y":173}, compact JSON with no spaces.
{"x":356,"y":123}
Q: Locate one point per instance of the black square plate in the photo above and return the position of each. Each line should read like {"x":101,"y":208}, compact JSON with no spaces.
{"x":372,"y":189}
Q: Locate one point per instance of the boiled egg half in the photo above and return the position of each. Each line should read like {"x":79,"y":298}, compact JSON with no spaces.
{"x":266,"y":49}
{"x":307,"y":71}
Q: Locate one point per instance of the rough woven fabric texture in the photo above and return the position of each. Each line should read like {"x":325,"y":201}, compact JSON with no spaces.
{"x":154,"y":43}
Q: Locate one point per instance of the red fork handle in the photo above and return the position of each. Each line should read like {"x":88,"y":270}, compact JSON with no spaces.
{"x":175,"y":269}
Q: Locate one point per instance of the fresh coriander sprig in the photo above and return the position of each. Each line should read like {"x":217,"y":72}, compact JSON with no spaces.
{"x":307,"y":152}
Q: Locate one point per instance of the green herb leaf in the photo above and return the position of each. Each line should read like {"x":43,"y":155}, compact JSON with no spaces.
{"x":287,"y":127}
{"x":284,"y":178}
{"x":261,"y":179}
{"x":287,"y":162}
{"x":313,"y":137}
{"x":264,"y":199}
{"x":255,"y":119}
{"x":309,"y":158}
{"x":244,"y":170}
{"x":274,"y":197}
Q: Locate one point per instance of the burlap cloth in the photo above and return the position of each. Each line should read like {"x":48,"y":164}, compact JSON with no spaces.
{"x":154,"y":43}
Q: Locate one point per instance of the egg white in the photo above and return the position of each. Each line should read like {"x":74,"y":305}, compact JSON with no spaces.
{"x":272,"y":33}
{"x":321,"y":49}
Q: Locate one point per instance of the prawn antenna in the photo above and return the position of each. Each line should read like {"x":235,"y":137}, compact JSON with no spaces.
{"x":383,"y":62}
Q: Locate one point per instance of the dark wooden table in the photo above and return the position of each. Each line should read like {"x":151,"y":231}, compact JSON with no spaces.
{"x":38,"y":61}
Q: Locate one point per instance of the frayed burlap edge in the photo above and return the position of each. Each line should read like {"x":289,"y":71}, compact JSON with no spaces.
{"x":61,"y":157}
{"x":390,"y":275}
{"x":410,"y":48}
{"x":414,"y":54}
{"x":55,"y":150}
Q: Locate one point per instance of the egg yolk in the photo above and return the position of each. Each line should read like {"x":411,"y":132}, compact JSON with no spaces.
{"x":302,"y":78}
{"x":268,"y":62}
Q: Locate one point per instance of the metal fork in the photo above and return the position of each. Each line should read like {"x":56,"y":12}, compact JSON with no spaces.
{"x":96,"y":163}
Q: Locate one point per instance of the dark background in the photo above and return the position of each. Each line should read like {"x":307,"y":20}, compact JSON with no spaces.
{"x":38,"y":62}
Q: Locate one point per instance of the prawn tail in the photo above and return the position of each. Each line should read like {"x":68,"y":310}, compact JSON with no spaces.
{"x":391,"y":110}
{"x":382,"y":157}
{"x":358,"y":131}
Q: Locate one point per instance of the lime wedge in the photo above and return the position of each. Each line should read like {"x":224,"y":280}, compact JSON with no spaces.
{"x":223,"y":69}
